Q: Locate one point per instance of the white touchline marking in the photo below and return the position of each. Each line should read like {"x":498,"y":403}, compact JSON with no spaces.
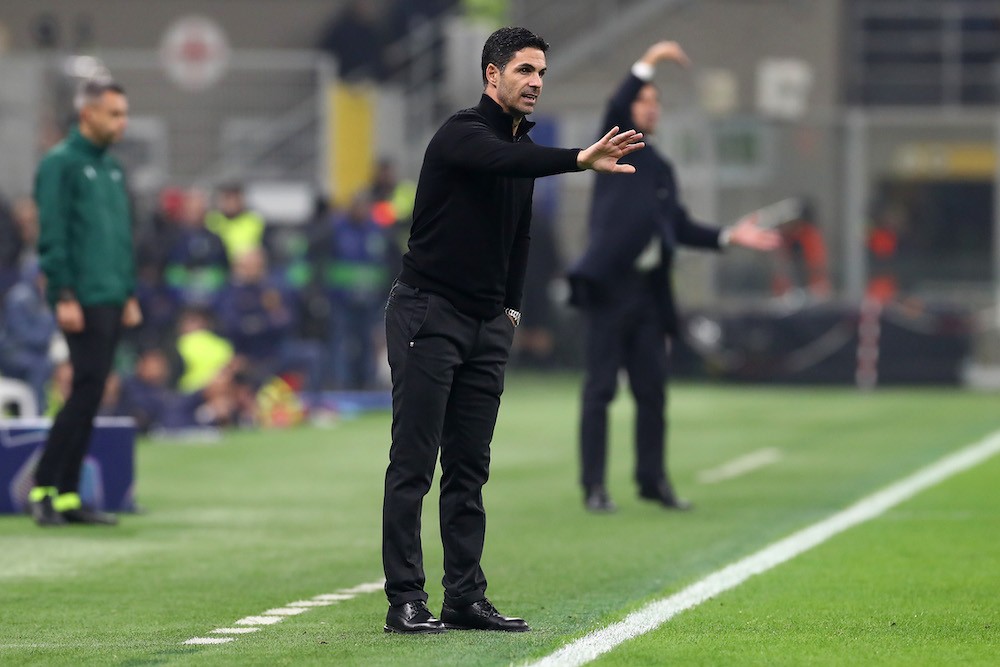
{"x":234,"y":631}
{"x":278,"y":614}
{"x":656,"y":613}
{"x":740,"y":466}
{"x":286,"y":611}
{"x":370,"y":587}
{"x":333,"y":597}
{"x":260,"y":620}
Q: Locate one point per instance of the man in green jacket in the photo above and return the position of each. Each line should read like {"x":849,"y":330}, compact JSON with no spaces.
{"x":85,"y":248}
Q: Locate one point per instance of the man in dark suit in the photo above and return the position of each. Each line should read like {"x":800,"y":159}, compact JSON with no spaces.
{"x":623,"y":285}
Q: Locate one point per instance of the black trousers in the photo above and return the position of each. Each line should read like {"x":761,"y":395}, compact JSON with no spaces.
{"x":447,"y":377}
{"x":91,"y":353}
{"x":625,"y":332}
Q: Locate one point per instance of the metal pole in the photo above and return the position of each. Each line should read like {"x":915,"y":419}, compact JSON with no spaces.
{"x":326,"y":71}
{"x":855,"y":197}
{"x":996,"y":220}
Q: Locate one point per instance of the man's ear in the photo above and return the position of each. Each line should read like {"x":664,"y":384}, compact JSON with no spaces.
{"x":492,"y":74}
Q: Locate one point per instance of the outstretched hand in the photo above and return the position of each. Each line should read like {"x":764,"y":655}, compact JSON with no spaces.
{"x":747,"y":233}
{"x":603,"y":156}
{"x":666,"y":50}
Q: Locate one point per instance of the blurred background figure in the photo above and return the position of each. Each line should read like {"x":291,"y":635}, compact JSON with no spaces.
{"x":355,"y":37}
{"x":203,"y":353}
{"x":196,"y":264}
{"x":414,"y":39}
{"x":85,"y":250}
{"x":25,"y":213}
{"x":392,"y":202}
{"x":18,"y":239}
{"x":260,"y":320}
{"x":624,"y":285}
{"x":360,"y":260}
{"x":10,"y":246}
{"x":26,"y":331}
{"x":161,"y":306}
{"x":534,"y":339}
{"x":886,"y":246}
{"x":147,"y":396}
{"x":157,"y":234}
{"x":800,"y":264}
{"x":241,"y":230}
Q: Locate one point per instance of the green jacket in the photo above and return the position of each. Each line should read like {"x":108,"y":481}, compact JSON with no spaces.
{"x":85,"y":239}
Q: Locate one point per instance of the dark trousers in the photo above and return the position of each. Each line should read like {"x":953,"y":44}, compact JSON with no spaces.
{"x":91,"y":353}
{"x":625,"y":332}
{"x":447,"y":377}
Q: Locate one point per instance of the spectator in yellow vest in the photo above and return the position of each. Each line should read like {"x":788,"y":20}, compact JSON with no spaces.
{"x":203,"y":353}
{"x":240,"y":230}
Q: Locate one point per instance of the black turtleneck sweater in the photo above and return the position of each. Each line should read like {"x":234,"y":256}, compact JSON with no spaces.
{"x":471,"y":217}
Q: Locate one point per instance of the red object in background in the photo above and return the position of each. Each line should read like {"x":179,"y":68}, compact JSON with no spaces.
{"x":882,"y":283}
{"x":883,"y":243}
{"x":383,"y":214}
{"x":172,"y":202}
{"x":803,"y":248}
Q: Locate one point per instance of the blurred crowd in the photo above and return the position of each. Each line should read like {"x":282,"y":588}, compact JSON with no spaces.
{"x":245,"y":322}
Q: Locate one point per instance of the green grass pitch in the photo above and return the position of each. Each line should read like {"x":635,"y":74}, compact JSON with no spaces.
{"x":266,"y":518}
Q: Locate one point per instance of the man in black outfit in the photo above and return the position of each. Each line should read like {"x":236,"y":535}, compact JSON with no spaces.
{"x":450,"y":320}
{"x":623,"y":285}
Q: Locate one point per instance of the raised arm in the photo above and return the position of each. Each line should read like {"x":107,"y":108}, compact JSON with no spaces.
{"x":665,"y":50}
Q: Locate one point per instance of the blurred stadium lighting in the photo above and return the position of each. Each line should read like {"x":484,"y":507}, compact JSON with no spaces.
{"x":85,"y":67}
{"x":706,"y":332}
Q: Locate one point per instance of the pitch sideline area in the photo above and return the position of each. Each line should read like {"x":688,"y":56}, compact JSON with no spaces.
{"x":236,"y":531}
{"x":655,"y":614}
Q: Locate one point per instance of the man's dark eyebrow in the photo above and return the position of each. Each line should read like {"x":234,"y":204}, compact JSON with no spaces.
{"x":530,"y":66}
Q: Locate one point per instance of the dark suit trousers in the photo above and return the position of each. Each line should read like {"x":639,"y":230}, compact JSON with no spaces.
{"x":447,"y":377}
{"x":625,"y":332}
{"x":91,"y":353}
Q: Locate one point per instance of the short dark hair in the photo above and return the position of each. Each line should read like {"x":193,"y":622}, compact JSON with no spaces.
{"x":501,"y":46}
{"x":230,"y":188}
{"x":92,"y":90}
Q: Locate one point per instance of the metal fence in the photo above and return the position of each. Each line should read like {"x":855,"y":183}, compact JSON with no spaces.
{"x":263,"y":119}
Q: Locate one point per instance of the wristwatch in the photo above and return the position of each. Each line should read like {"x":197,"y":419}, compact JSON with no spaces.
{"x":514,"y":315}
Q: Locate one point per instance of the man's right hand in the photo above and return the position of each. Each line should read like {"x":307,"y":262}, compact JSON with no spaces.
{"x":69,"y":316}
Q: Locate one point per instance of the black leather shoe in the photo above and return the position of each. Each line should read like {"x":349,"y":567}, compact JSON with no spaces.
{"x":664,"y":494}
{"x":44,"y":515}
{"x":412,"y":618}
{"x":596,"y":499}
{"x":90,"y":516}
{"x":480,"y":615}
